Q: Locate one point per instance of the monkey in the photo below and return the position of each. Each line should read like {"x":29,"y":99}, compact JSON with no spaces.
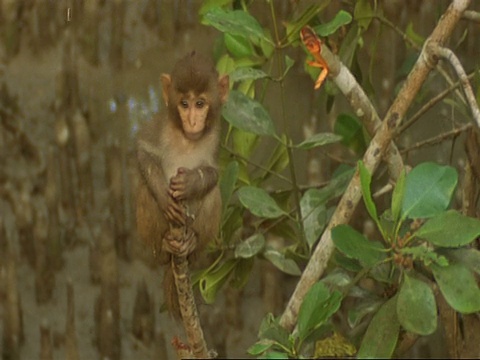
{"x":177,"y":160}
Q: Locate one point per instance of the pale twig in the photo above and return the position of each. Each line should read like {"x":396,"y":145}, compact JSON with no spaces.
{"x":472,"y":16}
{"x":380,"y":142}
{"x":450,"y":56}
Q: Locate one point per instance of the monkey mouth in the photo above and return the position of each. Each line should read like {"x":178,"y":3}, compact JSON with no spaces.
{"x":193,"y":135}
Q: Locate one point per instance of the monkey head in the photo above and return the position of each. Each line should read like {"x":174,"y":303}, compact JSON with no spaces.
{"x":193,"y":94}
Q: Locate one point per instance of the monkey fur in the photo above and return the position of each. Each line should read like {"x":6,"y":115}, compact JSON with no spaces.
{"x":177,"y":159}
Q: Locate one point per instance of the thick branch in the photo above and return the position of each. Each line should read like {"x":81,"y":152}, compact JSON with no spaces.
{"x":343,"y":213}
{"x":361,"y":105}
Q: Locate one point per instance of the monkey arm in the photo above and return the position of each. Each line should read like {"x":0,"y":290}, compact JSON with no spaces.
{"x":193,"y":183}
{"x":153,"y":175}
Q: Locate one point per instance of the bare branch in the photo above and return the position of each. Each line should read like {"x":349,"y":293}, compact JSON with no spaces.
{"x":428,"y":105}
{"x":438,"y":139}
{"x":472,"y":16}
{"x":361,"y":105}
{"x":343,"y":213}
{"x":450,"y":56}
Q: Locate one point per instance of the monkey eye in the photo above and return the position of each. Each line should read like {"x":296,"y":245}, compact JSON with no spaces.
{"x":200,"y":104}
{"x":184,"y":104}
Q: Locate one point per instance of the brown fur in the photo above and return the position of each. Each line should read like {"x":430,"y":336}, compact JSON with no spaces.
{"x":163,"y":148}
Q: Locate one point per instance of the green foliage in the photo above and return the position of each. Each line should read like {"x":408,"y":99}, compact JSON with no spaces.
{"x":351,"y":131}
{"x":382,"y":333}
{"x":459,"y":286}
{"x":429,"y":189}
{"x":342,"y":18}
{"x":319,"y":305}
{"x":419,"y":236}
{"x":356,"y":246}
{"x":424,"y":193}
{"x":416,"y":307}
{"x":259,"y":202}
{"x":234,"y":22}
{"x":247,"y":114}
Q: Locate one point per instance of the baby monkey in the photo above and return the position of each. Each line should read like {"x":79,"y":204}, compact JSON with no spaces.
{"x":178,"y":198}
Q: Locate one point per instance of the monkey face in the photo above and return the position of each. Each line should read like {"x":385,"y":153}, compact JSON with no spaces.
{"x":193,"y":110}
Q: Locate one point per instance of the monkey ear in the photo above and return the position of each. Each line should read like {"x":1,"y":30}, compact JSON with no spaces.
{"x":166,"y":83}
{"x":224,"y":87}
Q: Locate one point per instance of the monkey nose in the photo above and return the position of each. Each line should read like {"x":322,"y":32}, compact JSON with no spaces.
{"x":191,"y":119}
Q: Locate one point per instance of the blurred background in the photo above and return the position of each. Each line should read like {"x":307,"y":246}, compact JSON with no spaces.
{"x":77,"y":77}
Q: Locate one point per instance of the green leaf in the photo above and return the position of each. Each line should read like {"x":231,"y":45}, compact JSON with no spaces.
{"x":271,"y":331}
{"x":247,"y":73}
{"x":211,"y":283}
{"x":259,"y":203}
{"x":314,"y":215}
{"x":238,"y":45}
{"x":317,"y":294}
{"x":397,"y":197}
{"x":341,"y":18}
{"x":382,"y":334}
{"x":289,"y":62}
{"x":278,"y":160}
{"x":416,"y":307}
{"x":250,"y":247}
{"x":412,"y":35}
{"x":363,"y":13}
{"x":234,"y":22}
{"x":356,"y":246}
{"x":317,"y":306}
{"x":243,"y":142}
{"x":242,"y":272}
{"x":294,"y":27}
{"x":227,"y":183}
{"x":320,"y":139}
{"x":450,"y":229}
{"x":209,"y":4}
{"x":458,"y":286}
{"x":428,"y":190}
{"x":259,"y":347}
{"x":247,"y":114}
{"x":282,"y":263}
{"x":267,"y":45}
{"x":351,"y":131}
{"x":225,"y":64}
{"x":468,"y":257}
{"x":337,"y":184}
{"x":365,"y":181}
{"x":357,"y":314}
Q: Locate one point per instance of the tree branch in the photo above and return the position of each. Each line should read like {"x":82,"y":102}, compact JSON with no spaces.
{"x":450,"y":56}
{"x":361,"y":105}
{"x":343,"y":213}
{"x":471,"y":15}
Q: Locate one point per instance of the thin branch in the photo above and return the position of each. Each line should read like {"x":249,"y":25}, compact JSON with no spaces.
{"x":261,"y":167}
{"x":438,"y":139}
{"x":471,"y":15}
{"x":431,"y":103}
{"x":379,"y":144}
{"x":405,"y":37}
{"x":450,"y":56}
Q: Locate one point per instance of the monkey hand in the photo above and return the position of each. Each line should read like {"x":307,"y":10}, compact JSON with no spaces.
{"x":193,"y":183}
{"x":180,"y":243}
{"x":183,"y":183}
{"x":175,"y":212}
